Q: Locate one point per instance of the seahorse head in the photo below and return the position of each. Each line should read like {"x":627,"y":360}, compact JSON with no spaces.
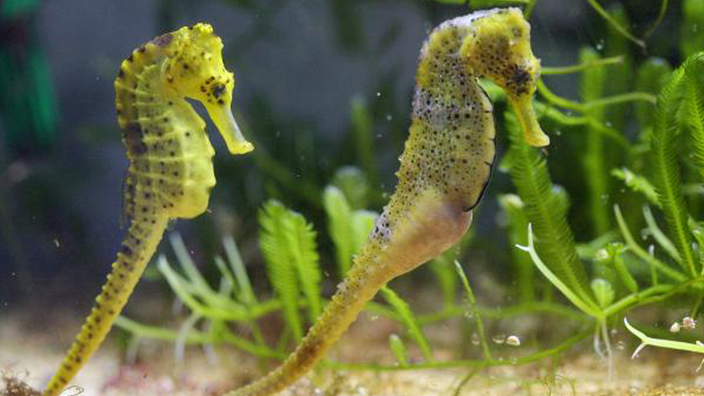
{"x":194,"y":68}
{"x":499,"y":49}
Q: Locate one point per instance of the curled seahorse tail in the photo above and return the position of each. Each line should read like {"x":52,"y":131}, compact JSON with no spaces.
{"x":343,"y":309}
{"x":134,"y":255}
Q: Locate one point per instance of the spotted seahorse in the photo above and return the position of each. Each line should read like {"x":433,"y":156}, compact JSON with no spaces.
{"x":445,"y":167}
{"x":170,"y":171}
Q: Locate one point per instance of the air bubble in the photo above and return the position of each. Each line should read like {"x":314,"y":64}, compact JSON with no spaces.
{"x":499,"y":338}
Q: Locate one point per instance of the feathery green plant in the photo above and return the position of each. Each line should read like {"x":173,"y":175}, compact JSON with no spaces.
{"x":289,"y":248}
{"x":546,"y":208}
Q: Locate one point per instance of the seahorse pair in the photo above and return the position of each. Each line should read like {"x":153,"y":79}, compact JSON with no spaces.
{"x":445,"y":166}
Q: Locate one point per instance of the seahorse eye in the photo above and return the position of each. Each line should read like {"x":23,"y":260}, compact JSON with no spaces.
{"x":218,"y":90}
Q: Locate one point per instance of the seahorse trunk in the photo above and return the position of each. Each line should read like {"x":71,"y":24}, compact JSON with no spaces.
{"x":134,"y":255}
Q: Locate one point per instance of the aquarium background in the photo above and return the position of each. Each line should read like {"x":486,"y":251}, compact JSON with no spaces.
{"x":323,"y":90}
{"x":301,"y":67}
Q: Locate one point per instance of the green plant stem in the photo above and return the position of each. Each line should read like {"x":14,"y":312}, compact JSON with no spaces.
{"x":472,"y":302}
{"x":195,"y":337}
{"x":633,"y":299}
{"x":697,"y":305}
{"x":659,"y":236}
{"x":465,"y":380}
{"x":640,"y":252}
{"x":409,"y":321}
{"x":658,"y":342}
{"x":601,"y":11}
{"x":556,"y":350}
{"x":622,"y":98}
{"x":557,"y":70}
{"x":529,"y":8}
{"x":504,"y":312}
{"x":559,"y":101}
{"x":568,"y":120}
{"x":587,"y":306}
{"x":658,"y":20}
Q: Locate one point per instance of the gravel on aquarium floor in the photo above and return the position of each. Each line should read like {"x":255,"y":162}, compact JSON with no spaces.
{"x":31,"y":355}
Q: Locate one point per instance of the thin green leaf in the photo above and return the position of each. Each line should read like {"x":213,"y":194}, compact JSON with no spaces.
{"x":442,"y":267}
{"x":409,"y":321}
{"x":637,"y":183}
{"x":185,"y":261}
{"x":471,"y":302}
{"x":615,"y":256}
{"x":547,"y":211}
{"x":340,"y":227}
{"x":659,"y":236}
{"x":362,"y":225}
{"x":226,"y":275}
{"x":399,"y":350}
{"x":354,"y":185}
{"x":653,"y":262}
{"x":615,"y":24}
{"x":587,"y":306}
{"x":518,"y":225}
{"x":246,"y":295}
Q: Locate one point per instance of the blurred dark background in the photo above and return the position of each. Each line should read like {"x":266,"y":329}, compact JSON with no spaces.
{"x":310,"y":76}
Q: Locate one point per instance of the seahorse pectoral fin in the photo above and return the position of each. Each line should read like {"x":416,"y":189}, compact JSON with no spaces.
{"x":523,"y":107}
{"x":230,"y":131}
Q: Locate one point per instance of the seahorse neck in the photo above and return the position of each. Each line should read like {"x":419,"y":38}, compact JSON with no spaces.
{"x":444,"y":80}
{"x":451,"y":148}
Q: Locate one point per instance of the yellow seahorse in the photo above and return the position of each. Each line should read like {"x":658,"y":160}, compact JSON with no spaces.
{"x":171,"y":172}
{"x":445,"y":167}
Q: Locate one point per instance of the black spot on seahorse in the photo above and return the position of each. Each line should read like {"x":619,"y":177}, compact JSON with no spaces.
{"x":133,"y":135}
{"x":519,"y":79}
{"x":162,"y":40}
{"x":218,"y":90}
{"x":126,"y":250}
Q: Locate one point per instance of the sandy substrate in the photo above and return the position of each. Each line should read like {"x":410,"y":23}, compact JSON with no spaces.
{"x":32,"y":354}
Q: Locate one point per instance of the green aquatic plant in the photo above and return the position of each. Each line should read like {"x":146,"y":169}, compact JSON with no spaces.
{"x":679,"y":122}
{"x":604,"y":262}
